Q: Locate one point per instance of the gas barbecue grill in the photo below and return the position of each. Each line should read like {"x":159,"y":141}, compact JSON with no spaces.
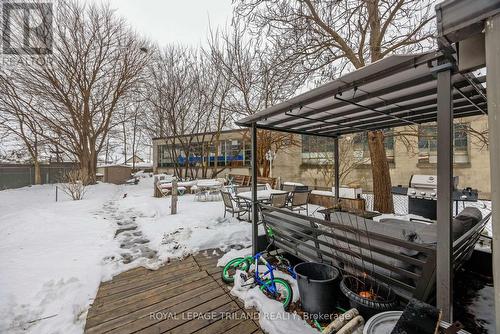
{"x":422,"y":195}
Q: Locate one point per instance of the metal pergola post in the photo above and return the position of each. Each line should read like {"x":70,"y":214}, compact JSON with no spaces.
{"x":444,"y":266}
{"x":255,"y":213}
{"x":337,"y":167}
{"x":492,"y":45}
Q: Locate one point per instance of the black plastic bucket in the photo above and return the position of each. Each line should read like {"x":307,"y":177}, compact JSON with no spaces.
{"x":318,"y":288}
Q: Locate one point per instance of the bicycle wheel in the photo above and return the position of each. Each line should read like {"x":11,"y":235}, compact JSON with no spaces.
{"x":284,"y":292}
{"x":230,"y":268}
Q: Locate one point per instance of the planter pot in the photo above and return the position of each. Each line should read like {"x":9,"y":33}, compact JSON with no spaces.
{"x":382,"y":323}
{"x":319,"y":288}
{"x":351,"y":287}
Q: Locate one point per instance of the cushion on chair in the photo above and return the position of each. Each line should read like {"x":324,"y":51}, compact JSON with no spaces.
{"x":466,"y":220}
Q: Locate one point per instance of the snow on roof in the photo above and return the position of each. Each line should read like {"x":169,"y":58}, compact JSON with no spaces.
{"x":113,"y":165}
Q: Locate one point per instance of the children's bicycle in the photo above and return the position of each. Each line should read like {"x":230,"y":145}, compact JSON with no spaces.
{"x":276,"y":288}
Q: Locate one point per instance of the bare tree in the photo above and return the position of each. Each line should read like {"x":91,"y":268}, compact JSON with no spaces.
{"x":17,"y":117}
{"x":332,"y":36}
{"x":96,"y":62}
{"x":187,"y":95}
{"x":349,"y":161}
{"x":127,"y":128}
{"x":259,"y":78}
{"x":171,"y":97}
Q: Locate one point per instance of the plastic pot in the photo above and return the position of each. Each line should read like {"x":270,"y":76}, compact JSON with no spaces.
{"x":351,"y":287}
{"x":319,"y":288}
{"x":382,"y":323}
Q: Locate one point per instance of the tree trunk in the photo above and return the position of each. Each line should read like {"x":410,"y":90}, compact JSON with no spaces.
{"x":124,"y":143}
{"x":38,"y":172}
{"x":107,"y":150}
{"x":93,"y":167}
{"x":216,"y":158}
{"x":88,"y":165}
{"x":265,"y":168}
{"x":381,"y":176}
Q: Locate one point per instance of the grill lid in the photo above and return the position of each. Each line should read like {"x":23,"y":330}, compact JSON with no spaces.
{"x":423,"y":181}
{"x":428,"y":181}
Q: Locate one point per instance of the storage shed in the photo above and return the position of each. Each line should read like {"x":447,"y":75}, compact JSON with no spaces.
{"x":117,"y":174}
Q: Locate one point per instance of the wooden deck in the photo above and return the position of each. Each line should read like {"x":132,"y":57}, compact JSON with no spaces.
{"x":185,"y":297}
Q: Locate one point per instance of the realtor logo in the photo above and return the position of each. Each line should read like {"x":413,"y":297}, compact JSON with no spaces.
{"x":27,"y":28}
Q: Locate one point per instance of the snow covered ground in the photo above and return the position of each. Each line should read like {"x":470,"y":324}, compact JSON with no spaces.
{"x":53,"y":255}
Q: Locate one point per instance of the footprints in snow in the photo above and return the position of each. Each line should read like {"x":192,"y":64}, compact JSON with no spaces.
{"x":132,"y":241}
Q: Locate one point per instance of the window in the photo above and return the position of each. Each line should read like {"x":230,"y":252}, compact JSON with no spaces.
{"x":362,"y":151}
{"x":460,"y":144}
{"x":165,"y":156}
{"x":234,"y":153}
{"x":427,"y":144}
{"x":196,"y":154}
{"x":247,"y":153}
{"x":317,"y":150}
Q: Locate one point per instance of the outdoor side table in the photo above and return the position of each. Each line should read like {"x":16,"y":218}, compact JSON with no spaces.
{"x":327,"y":213}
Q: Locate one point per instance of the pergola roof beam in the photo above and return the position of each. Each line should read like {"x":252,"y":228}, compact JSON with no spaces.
{"x":419,"y":119}
{"x":427,"y":108}
{"x":470,"y":101}
{"x":328,"y":122}
{"x":471,"y":111}
{"x":368,"y":74}
{"x":403,"y":85}
{"x":351,"y":113}
{"x":395,"y":91}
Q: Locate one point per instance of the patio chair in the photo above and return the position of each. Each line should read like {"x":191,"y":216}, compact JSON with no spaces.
{"x":278,"y":200}
{"x":238,"y":206}
{"x":299,"y":201}
{"x":199,"y":193}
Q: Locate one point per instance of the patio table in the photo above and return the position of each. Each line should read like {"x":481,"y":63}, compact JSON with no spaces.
{"x":208,"y":189}
{"x":327,"y":212}
{"x":262,"y":195}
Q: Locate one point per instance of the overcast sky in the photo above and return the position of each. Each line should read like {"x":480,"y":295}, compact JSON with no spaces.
{"x":167,"y":21}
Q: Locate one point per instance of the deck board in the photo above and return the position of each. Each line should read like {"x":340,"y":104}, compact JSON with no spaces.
{"x":184,"y":296}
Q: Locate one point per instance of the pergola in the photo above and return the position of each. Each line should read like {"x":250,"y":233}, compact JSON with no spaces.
{"x":403,"y":90}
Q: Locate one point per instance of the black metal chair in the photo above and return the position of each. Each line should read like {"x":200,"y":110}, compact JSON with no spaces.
{"x":238,"y":206}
